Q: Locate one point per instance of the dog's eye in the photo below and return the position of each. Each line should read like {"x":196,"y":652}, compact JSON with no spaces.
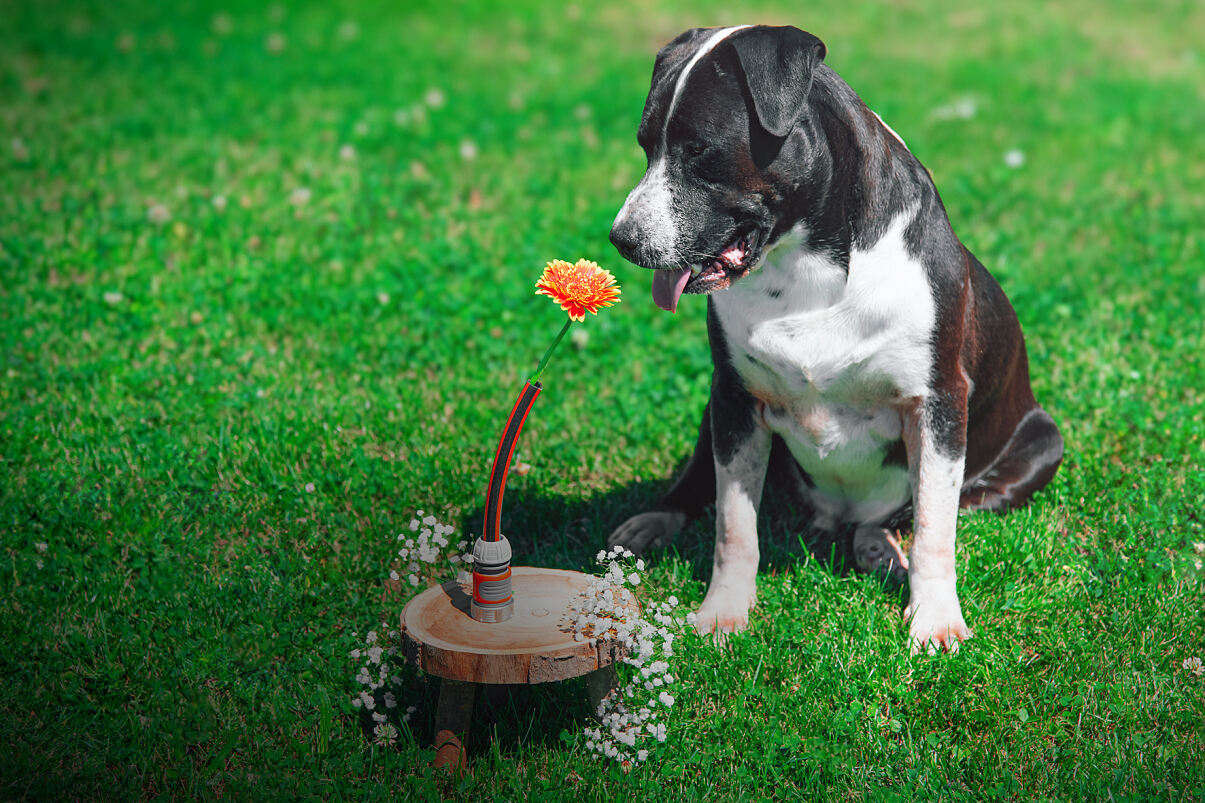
{"x":694,"y":149}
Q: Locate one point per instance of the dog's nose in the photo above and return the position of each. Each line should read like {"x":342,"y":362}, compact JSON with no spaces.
{"x":624,"y":237}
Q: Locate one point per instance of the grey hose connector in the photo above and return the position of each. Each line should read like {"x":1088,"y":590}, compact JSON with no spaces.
{"x":492,"y":597}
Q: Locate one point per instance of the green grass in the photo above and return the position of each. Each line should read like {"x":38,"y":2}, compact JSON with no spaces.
{"x":172,"y":389}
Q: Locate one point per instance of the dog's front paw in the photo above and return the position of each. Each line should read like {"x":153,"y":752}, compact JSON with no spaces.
{"x":647,"y":530}
{"x":936,"y":623}
{"x":723,"y":612}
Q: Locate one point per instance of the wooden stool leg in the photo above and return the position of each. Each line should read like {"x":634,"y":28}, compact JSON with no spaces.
{"x":599,"y":684}
{"x":453,"y":715}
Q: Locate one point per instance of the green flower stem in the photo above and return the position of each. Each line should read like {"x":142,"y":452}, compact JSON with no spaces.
{"x":548,"y":354}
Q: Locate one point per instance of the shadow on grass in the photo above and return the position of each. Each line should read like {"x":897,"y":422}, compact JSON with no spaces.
{"x":567,"y":533}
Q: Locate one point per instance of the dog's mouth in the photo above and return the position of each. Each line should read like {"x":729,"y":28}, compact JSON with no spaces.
{"x":734,"y":261}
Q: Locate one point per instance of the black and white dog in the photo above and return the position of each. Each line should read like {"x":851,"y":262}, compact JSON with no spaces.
{"x":846,"y":320}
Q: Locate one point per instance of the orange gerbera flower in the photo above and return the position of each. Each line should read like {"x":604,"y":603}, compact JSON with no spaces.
{"x":580,"y":288}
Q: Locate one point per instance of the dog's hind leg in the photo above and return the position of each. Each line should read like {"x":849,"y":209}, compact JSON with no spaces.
{"x":1026,"y":463}
{"x":876,"y":551}
{"x":690,"y":494}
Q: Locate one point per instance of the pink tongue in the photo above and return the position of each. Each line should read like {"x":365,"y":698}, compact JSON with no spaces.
{"x":667,"y":287}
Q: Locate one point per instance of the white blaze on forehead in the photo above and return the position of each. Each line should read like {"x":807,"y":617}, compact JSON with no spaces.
{"x":707,"y":47}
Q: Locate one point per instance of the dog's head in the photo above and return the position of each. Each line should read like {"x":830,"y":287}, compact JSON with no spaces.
{"x":728,"y":140}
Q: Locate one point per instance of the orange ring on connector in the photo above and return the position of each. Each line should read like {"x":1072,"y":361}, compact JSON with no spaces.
{"x":477,"y":578}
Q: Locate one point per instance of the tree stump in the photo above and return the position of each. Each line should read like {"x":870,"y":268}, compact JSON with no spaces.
{"x":536,"y":645}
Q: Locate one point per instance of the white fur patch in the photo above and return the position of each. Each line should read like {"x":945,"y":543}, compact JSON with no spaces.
{"x":733,"y":586}
{"x":831,"y":357}
{"x":890,"y":130}
{"x":934,"y":608}
{"x":651,"y":201}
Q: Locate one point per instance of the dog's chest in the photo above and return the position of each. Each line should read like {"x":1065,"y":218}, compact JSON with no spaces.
{"x":832,"y":356}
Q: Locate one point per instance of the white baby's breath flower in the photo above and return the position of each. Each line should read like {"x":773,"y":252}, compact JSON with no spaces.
{"x":385,"y":734}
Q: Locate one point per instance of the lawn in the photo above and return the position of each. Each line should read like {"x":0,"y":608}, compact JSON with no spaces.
{"x":266,"y":282}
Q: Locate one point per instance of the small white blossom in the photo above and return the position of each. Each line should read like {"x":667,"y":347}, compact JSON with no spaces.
{"x":435,"y":98}
{"x":1194,"y":666}
{"x":961,"y":109}
{"x":385,"y":734}
{"x":1014,"y":158}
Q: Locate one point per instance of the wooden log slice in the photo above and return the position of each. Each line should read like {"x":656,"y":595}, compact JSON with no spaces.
{"x":535,"y":645}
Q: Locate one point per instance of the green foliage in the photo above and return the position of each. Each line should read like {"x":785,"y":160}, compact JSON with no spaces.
{"x":266,"y":288}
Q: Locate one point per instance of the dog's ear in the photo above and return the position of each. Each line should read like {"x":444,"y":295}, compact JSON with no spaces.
{"x":779,"y":64}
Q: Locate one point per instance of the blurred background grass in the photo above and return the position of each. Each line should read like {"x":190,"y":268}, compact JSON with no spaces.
{"x":267,"y":289}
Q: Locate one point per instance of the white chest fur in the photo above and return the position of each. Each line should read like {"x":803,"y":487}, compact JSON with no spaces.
{"x":832,"y":355}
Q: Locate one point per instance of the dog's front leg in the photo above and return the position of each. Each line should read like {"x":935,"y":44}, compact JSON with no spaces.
{"x":935,"y":437}
{"x":742,"y":452}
